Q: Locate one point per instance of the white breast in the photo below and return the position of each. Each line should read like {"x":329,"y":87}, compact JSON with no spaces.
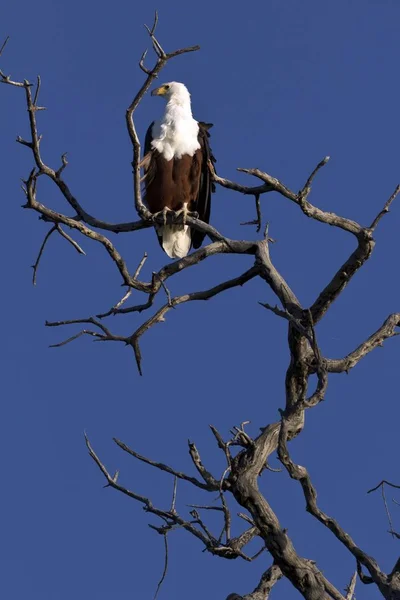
{"x":176,"y":134}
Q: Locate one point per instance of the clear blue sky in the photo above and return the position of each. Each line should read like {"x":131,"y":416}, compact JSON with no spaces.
{"x":285,"y":84}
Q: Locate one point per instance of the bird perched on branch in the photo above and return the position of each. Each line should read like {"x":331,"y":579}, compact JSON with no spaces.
{"x":177,"y":176}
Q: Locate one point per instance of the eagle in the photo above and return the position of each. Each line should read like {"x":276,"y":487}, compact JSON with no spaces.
{"x":176,"y":170}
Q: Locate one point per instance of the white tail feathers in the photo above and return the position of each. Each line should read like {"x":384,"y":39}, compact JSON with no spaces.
{"x":176,"y":239}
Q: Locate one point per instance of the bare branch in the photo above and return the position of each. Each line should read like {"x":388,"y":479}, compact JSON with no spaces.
{"x":173,"y":502}
{"x":258,"y":220}
{"x":351,"y":587}
{"x":115,"y":309}
{"x":307,"y":187}
{"x":300,"y":199}
{"x":363,"y":578}
{"x":227,"y":519}
{"x":382,"y":486}
{"x":354,"y":262}
{"x":172,"y":518}
{"x":70,"y":240}
{"x":106,"y":336}
{"x":4,"y":45}
{"x":206,"y":475}
{"x":64,"y":163}
{"x":78,"y":335}
{"x":300,"y":474}
{"x":268,"y":579}
{"x":164,"y":573}
{"x":75,"y":224}
{"x":237,"y":187}
{"x":199,"y":521}
{"x":166,"y":468}
{"x":343,"y":276}
{"x":42,"y":247}
{"x":343,"y":365}
{"x":384,"y":481}
{"x":35,"y":99}
{"x":285,"y":314}
{"x":202,"y":507}
{"x":385,"y":209}
{"x":158,"y":317}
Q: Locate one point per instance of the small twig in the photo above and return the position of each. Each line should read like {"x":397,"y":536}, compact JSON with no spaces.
{"x":202,"y":507}
{"x":258,"y":220}
{"x":163,"y":467}
{"x":23,"y":142}
{"x":227,"y":517}
{"x":382,"y":486}
{"x":90,"y":320}
{"x":258,"y":211}
{"x":166,"y":290}
{"x":221,"y":482}
{"x":70,"y":240}
{"x":74,"y":337}
{"x":64,"y":163}
{"x":285,"y":314}
{"x":156,"y":45}
{"x":395,"y":534}
{"x":204,"y":527}
{"x":273,"y":470}
{"x":206,"y":475}
{"x":351,"y":587}
{"x":36,"y":265}
{"x":266,"y":236}
{"x":307,"y":187}
{"x":116,"y":308}
{"x":35,"y":99}
{"x":106,"y":336}
{"x":164,"y":574}
{"x":174,"y":495}
{"x":159,"y":316}
{"x":237,"y":187}
{"x":246,"y":518}
{"x":155,"y":23}
{"x":218,"y":437}
{"x":4,"y":44}
{"x":385,"y":209}
{"x":300,"y":473}
{"x":387,"y":509}
{"x":173,"y":520}
{"x":240,"y":437}
{"x":257,"y":554}
{"x":141,"y":63}
{"x":382,"y":483}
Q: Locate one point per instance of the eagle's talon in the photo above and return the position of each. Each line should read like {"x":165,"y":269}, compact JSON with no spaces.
{"x":162,"y":212}
{"x":186,"y":213}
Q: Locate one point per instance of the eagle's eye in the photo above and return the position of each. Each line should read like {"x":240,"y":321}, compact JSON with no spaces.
{"x":166,"y":87}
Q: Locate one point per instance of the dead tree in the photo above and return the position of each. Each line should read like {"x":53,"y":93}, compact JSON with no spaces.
{"x":246,"y":458}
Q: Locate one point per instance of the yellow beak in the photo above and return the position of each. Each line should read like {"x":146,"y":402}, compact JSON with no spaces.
{"x":160,"y":91}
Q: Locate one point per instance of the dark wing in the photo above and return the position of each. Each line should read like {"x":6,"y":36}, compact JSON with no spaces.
{"x":207,"y":186}
{"x":148,"y":163}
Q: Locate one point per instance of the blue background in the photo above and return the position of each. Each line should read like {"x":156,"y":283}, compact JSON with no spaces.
{"x":285,"y":84}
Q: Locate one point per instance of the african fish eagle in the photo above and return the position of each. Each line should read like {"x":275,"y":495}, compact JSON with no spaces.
{"x":177,"y":176}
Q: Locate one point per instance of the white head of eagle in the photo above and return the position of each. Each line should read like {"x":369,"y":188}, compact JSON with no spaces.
{"x":177,"y":176}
